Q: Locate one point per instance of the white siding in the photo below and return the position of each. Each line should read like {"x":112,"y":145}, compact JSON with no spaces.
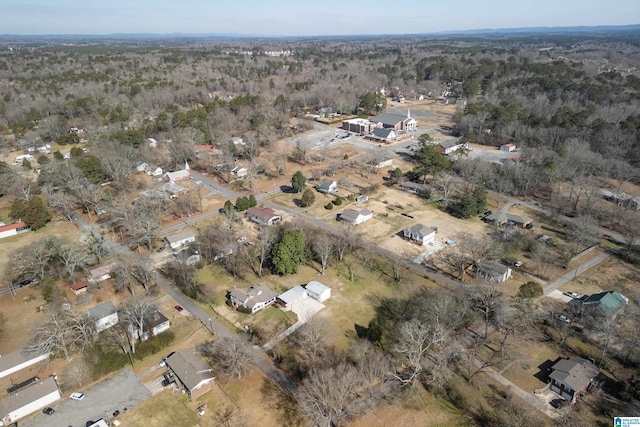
{"x":34,"y":406}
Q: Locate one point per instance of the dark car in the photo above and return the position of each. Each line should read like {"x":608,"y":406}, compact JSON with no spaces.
{"x":179,"y":308}
{"x":48,"y":411}
{"x":25,"y":283}
{"x":487,"y":213}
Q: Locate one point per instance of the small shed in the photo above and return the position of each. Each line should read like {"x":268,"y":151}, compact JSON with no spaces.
{"x":79,"y":287}
{"x":508,"y":147}
{"x":318,"y":291}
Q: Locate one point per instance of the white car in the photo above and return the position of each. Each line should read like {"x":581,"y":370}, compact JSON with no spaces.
{"x":77,"y":396}
{"x":564,"y":319}
{"x":518,"y":263}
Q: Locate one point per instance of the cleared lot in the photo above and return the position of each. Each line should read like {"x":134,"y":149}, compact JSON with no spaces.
{"x":122,"y":391}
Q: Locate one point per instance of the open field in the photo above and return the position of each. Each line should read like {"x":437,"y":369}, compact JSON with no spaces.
{"x":165,"y":409}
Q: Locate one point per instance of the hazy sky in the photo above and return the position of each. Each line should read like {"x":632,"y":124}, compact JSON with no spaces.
{"x":303,"y":17}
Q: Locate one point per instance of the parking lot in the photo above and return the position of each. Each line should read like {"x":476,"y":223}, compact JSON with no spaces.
{"x":122,"y":392}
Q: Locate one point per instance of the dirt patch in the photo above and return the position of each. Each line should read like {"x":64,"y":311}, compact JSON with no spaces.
{"x":22,"y":313}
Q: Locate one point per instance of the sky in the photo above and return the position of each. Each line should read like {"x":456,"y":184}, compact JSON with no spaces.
{"x":303,"y":17}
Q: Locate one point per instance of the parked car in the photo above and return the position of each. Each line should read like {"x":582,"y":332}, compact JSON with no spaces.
{"x":48,"y":411}
{"x":518,"y":264}
{"x":77,"y":396}
{"x":564,"y":319}
{"x":179,"y":308}
{"x":572,"y":295}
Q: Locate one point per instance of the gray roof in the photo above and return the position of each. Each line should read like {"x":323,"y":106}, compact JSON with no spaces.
{"x":450,"y":143}
{"x":576,"y":372}
{"x":502,"y":217}
{"x":292,"y":294}
{"x":27,"y":396}
{"x":383,"y":132}
{"x":351,"y":215}
{"x":101,"y":311}
{"x":325,"y":184}
{"x":390,"y":119}
{"x":254,"y":295}
{"x":156,"y":318}
{"x":379,"y":160}
{"x":180,"y":236}
{"x":422,"y":229}
{"x":494,"y":269}
{"x":15,"y":358}
{"x":172,"y":188}
{"x":190,"y":369}
{"x":414,"y":186}
{"x":316,"y":287}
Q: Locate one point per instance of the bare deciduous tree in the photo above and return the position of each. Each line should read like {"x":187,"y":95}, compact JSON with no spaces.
{"x":325,"y":395}
{"x":230,"y":355}
{"x":76,"y":373}
{"x":62,"y":332}
{"x":134,"y":313}
{"x":323,"y":247}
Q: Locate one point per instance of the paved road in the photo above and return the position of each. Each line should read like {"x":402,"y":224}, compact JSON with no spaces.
{"x":124,"y":390}
{"x":571,"y":274}
{"x":210,"y":323}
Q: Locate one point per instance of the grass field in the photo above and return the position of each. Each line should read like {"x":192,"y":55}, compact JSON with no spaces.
{"x":163,"y":410}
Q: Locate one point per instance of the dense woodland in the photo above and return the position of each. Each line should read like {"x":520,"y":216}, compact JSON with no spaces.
{"x":571,"y":103}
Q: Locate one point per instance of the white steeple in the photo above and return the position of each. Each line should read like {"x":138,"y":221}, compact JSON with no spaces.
{"x":408,"y":113}
{"x":186,"y":166}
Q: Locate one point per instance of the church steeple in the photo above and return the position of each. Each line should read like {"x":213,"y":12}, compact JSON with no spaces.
{"x":408,"y":113}
{"x":186,"y":166}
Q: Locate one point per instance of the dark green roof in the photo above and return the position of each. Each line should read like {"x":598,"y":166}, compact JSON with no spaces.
{"x":609,"y":303}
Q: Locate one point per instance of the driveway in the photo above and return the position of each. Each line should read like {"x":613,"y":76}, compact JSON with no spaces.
{"x":122,"y":391}
{"x":306,"y":308}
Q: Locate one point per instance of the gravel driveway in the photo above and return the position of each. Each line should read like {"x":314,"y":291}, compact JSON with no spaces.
{"x":122,"y":391}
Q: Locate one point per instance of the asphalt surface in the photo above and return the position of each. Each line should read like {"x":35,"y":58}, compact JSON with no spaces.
{"x":122,"y":391}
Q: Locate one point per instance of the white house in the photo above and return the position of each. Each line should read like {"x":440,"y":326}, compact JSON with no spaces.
{"x":354,"y":216}
{"x":508,"y":147}
{"x":327,"y":186}
{"x":420,"y":234}
{"x":450,"y":147}
{"x":104,"y":315}
{"x":263,"y":216}
{"x":13,"y":229}
{"x":154,"y":324}
{"x":179,"y":239}
{"x":141,"y":166}
{"x":172,"y":189}
{"x":101,"y":273}
{"x":18,"y":360}
{"x":177,"y":176}
{"x":494,"y":272}
{"x":318,"y":291}
{"x":29,"y":400}
{"x":381,"y":162}
{"x":154,"y":170}
{"x":254,"y":298}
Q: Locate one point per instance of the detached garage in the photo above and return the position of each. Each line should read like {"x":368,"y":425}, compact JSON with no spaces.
{"x":318,"y":291}
{"x":29,"y":400}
